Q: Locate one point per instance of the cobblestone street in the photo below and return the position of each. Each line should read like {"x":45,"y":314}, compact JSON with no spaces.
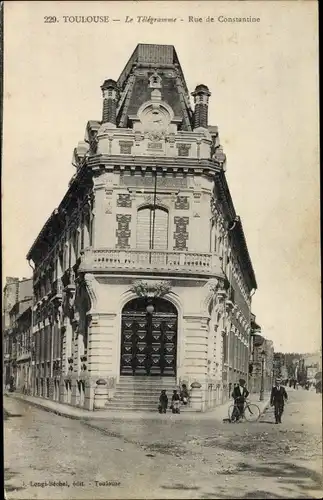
{"x":164,"y":459}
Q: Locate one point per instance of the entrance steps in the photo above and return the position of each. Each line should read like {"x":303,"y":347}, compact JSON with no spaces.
{"x":142,"y":393}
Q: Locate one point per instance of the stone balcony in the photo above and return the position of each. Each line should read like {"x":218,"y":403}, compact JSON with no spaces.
{"x":195,"y":263}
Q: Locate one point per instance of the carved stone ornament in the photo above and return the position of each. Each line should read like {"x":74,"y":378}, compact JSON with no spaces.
{"x":211,"y":291}
{"x":138,"y":137}
{"x":151,"y":288}
{"x":214,"y":207}
{"x":91,"y":284}
{"x":156,"y":135}
{"x":171,"y":139}
{"x":57,"y":309}
{"x":150,"y":199}
{"x":70,"y":295}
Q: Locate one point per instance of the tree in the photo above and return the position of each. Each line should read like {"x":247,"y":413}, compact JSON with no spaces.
{"x":289,"y":360}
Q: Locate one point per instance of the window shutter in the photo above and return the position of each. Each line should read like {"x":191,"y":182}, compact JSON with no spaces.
{"x":143,"y":229}
{"x":161,"y":230}
{"x":146,"y":226}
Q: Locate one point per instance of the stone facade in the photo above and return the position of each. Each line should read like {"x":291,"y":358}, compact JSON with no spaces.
{"x":147,"y":215}
{"x":262,"y":362}
{"x":17,"y":333}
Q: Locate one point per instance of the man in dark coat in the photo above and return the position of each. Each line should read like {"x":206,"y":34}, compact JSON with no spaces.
{"x":239,"y":394}
{"x":277,"y":399}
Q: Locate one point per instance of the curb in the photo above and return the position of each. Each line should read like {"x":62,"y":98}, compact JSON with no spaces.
{"x":56,"y":411}
{"x":90,"y":417}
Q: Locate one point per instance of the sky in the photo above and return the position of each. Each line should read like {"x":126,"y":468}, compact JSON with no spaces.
{"x":264,"y":82}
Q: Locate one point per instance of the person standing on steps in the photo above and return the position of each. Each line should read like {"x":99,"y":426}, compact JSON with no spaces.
{"x":277,"y":399}
{"x":163,"y":402}
{"x":184,"y":394}
{"x":175,"y":402}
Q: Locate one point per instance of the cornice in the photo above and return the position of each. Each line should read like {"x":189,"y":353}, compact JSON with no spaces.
{"x":237,"y":233}
{"x":101,"y":162}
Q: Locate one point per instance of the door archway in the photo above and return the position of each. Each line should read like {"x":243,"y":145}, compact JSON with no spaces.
{"x":148,"y":338}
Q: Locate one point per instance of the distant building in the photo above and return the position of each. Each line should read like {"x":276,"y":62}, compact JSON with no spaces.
{"x":142,"y":273}
{"x":311,"y":366}
{"x":261,"y":362}
{"x":10,"y":297}
{"x":17,"y":335}
{"x":284,"y":372}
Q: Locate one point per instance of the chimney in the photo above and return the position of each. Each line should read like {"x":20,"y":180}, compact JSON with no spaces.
{"x":110,"y":98}
{"x":201,"y":96}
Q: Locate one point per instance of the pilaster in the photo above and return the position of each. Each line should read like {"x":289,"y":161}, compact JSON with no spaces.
{"x":99,"y":234}
{"x":102,"y":345}
{"x":196,"y":347}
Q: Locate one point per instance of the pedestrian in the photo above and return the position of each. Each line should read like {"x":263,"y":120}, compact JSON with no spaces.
{"x":11,"y":383}
{"x":239,"y":394}
{"x":163,"y":402}
{"x":175,"y":402}
{"x":294,"y":383}
{"x":277,"y":399}
{"x":184,"y":394}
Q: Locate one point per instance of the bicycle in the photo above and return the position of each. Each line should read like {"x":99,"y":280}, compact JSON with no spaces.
{"x":251,"y":412}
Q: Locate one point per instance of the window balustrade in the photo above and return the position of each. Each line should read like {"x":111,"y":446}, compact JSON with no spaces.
{"x":106,"y":259}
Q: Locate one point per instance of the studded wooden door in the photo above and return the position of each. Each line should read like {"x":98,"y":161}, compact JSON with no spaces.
{"x":149,"y":341}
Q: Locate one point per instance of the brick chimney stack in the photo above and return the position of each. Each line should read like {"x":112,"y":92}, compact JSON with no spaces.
{"x":110,"y":99}
{"x":201,"y":96}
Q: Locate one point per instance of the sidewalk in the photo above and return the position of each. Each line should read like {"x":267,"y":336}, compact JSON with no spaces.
{"x":64,"y":410}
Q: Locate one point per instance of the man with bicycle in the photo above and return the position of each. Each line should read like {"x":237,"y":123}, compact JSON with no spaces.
{"x":239,"y":394}
{"x":277,"y":399}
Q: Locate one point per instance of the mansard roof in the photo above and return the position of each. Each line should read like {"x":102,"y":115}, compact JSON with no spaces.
{"x":133,"y":83}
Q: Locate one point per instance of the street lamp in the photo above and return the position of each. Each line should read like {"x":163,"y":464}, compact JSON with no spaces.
{"x":150,"y":308}
{"x":263,"y":355}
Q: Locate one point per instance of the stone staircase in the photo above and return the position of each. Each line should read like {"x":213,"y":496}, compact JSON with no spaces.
{"x":142,"y":393}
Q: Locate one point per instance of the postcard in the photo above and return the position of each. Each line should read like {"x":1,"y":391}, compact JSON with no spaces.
{"x":161,"y":250}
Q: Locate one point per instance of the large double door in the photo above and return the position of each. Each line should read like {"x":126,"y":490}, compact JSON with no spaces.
{"x":148,"y":340}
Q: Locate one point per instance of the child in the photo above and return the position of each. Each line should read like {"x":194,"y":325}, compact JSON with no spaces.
{"x":184,"y":394}
{"x":175,"y":402}
{"x":163,"y":402}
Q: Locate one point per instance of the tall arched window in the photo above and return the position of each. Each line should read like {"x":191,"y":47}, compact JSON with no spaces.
{"x":152,"y":228}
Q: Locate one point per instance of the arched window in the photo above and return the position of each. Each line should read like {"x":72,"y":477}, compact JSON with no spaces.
{"x":152,"y":228}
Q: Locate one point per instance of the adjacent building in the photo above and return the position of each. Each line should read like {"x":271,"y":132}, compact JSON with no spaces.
{"x":17,"y":333}
{"x":262,"y":367}
{"x":142,"y":274}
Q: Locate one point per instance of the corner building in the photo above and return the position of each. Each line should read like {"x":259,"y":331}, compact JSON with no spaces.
{"x":142,"y":275}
